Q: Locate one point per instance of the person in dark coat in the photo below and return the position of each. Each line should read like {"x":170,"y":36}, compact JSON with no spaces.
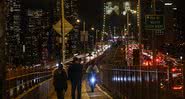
{"x":60,"y":82}
{"x":75,"y":76}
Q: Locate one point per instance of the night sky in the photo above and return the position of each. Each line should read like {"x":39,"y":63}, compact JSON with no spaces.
{"x":36,"y":4}
{"x":181,"y":13}
{"x":91,"y":11}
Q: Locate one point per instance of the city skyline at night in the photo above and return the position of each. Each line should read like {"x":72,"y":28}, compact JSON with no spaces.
{"x":104,"y":49}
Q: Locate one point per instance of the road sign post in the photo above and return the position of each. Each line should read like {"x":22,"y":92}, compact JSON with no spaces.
{"x":62,"y":27}
{"x":83,"y":36}
{"x":154,"y":22}
{"x":84,"y":39}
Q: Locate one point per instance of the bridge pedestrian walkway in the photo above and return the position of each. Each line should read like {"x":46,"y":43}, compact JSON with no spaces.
{"x":86,"y":93}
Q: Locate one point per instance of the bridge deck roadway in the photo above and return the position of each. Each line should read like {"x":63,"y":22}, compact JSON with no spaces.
{"x":86,"y":93}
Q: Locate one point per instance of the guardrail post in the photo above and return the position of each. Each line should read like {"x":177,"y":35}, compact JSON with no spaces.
{"x":21,"y":79}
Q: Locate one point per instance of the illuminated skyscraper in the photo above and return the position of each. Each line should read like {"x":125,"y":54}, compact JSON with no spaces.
{"x":27,"y":29}
{"x":13,"y":30}
{"x":72,"y":15}
{"x":36,"y":36}
{"x":171,"y":25}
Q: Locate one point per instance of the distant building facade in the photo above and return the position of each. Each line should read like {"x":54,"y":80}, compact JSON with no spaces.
{"x":29,"y":36}
{"x":73,"y":37}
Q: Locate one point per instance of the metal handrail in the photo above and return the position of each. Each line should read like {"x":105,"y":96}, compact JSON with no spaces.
{"x":134,"y":82}
{"x":23,"y":80}
{"x":20,"y":80}
{"x":26,"y":75}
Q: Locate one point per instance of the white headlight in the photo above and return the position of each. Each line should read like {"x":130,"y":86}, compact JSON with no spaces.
{"x":93,"y":80}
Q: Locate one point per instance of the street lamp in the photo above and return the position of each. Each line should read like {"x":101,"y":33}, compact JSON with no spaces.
{"x":83,"y":36}
{"x":78,"y":21}
{"x":96,"y":36}
{"x":92,"y":28}
{"x":92,"y":39}
{"x":181,"y":58}
{"x":82,"y":33}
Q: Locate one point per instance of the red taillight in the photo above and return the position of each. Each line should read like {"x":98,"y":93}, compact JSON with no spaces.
{"x":173,"y":69}
{"x":177,"y":87}
{"x":157,"y":60}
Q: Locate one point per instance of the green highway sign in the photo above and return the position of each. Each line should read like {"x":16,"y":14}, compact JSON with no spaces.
{"x":154,"y":22}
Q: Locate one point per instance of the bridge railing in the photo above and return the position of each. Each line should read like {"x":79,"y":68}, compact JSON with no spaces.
{"x":22,"y":79}
{"x":135,"y":82}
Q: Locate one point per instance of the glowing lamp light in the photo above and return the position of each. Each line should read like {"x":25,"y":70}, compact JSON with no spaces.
{"x":78,"y":21}
{"x":92,"y":28}
{"x":124,"y":12}
{"x":133,"y":11}
{"x":180,"y":57}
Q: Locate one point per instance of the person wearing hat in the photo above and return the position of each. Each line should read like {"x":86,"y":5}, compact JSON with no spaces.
{"x":60,"y":82}
{"x":75,"y":76}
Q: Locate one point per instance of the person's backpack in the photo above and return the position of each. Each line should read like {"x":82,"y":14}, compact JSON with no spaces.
{"x":60,"y":80}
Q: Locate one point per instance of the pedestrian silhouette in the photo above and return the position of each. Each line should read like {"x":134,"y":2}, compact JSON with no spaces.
{"x":60,"y":82}
{"x":75,"y":76}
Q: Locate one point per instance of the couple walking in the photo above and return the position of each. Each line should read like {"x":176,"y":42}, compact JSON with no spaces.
{"x":75,"y":72}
